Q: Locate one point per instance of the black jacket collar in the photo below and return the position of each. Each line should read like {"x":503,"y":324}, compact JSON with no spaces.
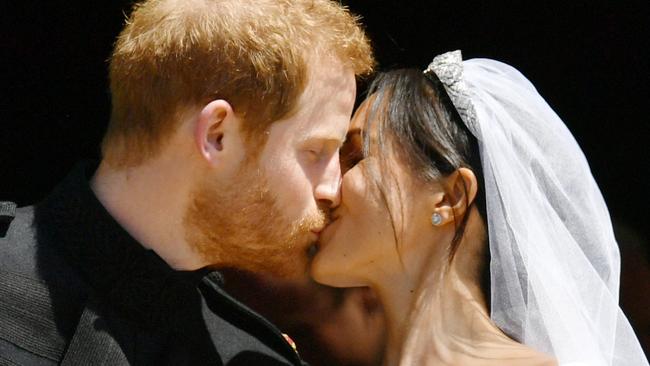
{"x":116,"y":267}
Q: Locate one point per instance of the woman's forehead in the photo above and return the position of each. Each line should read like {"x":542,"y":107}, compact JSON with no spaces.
{"x":359,"y":119}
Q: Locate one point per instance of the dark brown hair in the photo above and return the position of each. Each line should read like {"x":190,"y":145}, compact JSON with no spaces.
{"x":411,"y":114}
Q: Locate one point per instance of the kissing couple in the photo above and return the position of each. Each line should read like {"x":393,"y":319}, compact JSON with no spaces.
{"x":455,"y":193}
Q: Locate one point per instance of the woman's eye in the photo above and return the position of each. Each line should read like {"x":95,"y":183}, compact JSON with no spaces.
{"x":350,"y":156}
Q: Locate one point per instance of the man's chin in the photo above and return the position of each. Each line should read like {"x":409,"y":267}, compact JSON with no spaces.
{"x":294,"y":265}
{"x":285,"y":266}
{"x":296,"y":270}
{"x":294,"y":273}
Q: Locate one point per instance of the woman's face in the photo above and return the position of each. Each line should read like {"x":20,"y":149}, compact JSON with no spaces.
{"x":363,"y":242}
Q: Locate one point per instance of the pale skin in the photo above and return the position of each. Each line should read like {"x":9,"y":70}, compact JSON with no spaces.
{"x":300,"y":159}
{"x":415,"y":280}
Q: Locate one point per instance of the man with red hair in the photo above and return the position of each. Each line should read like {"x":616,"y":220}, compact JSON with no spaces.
{"x":222,"y":151}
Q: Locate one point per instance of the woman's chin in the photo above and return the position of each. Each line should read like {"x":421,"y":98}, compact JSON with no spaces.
{"x":320,"y":270}
{"x":326,"y":272}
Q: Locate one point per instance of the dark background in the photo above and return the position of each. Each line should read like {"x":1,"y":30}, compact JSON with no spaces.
{"x":588,"y":59}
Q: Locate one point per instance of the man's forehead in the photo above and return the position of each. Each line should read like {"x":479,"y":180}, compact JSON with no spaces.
{"x":326,"y":131}
{"x":329,"y":77}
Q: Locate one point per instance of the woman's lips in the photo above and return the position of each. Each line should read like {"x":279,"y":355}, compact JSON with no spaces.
{"x":326,"y":234}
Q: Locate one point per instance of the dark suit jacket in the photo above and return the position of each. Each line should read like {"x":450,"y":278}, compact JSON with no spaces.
{"x":77,"y":289}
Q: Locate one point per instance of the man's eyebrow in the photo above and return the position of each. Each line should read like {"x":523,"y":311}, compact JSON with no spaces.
{"x":325,"y":138}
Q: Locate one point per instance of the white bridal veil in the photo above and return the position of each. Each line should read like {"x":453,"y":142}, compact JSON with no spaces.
{"x":555,"y":262}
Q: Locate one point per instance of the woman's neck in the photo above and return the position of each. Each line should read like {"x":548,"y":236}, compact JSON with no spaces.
{"x":397,"y":296}
{"x":439,"y":316}
{"x":447,"y":306}
{"x":450,"y":324}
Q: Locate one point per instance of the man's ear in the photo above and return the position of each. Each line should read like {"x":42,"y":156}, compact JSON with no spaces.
{"x":460,"y":189}
{"x":215,"y":129}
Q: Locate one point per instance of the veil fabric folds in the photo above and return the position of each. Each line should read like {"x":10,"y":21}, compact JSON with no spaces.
{"x":554,"y":259}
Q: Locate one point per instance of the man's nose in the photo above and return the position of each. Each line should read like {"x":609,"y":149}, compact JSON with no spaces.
{"x":328,"y":188}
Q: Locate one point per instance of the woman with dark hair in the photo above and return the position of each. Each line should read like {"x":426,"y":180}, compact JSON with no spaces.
{"x":470,"y":209}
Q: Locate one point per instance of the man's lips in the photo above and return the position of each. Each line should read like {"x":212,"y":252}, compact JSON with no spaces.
{"x":317,"y":232}
{"x":324,"y":233}
{"x":312,"y":249}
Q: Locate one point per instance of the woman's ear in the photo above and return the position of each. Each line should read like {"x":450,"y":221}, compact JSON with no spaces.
{"x":460,"y":189}
{"x":215,"y":125}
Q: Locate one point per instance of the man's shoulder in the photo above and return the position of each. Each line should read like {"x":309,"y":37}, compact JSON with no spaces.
{"x":28,"y":251}
{"x":18,"y":242}
{"x":40,"y":295}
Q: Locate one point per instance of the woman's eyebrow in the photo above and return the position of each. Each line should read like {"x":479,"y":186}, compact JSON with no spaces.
{"x":352,"y":132}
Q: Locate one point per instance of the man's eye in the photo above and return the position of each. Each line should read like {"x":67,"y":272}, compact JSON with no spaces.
{"x":314,"y":155}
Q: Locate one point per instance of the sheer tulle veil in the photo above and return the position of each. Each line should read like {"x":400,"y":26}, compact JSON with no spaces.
{"x":554,"y":260}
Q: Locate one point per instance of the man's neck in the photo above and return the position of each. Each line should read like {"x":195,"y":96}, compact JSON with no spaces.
{"x":148,"y":201}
